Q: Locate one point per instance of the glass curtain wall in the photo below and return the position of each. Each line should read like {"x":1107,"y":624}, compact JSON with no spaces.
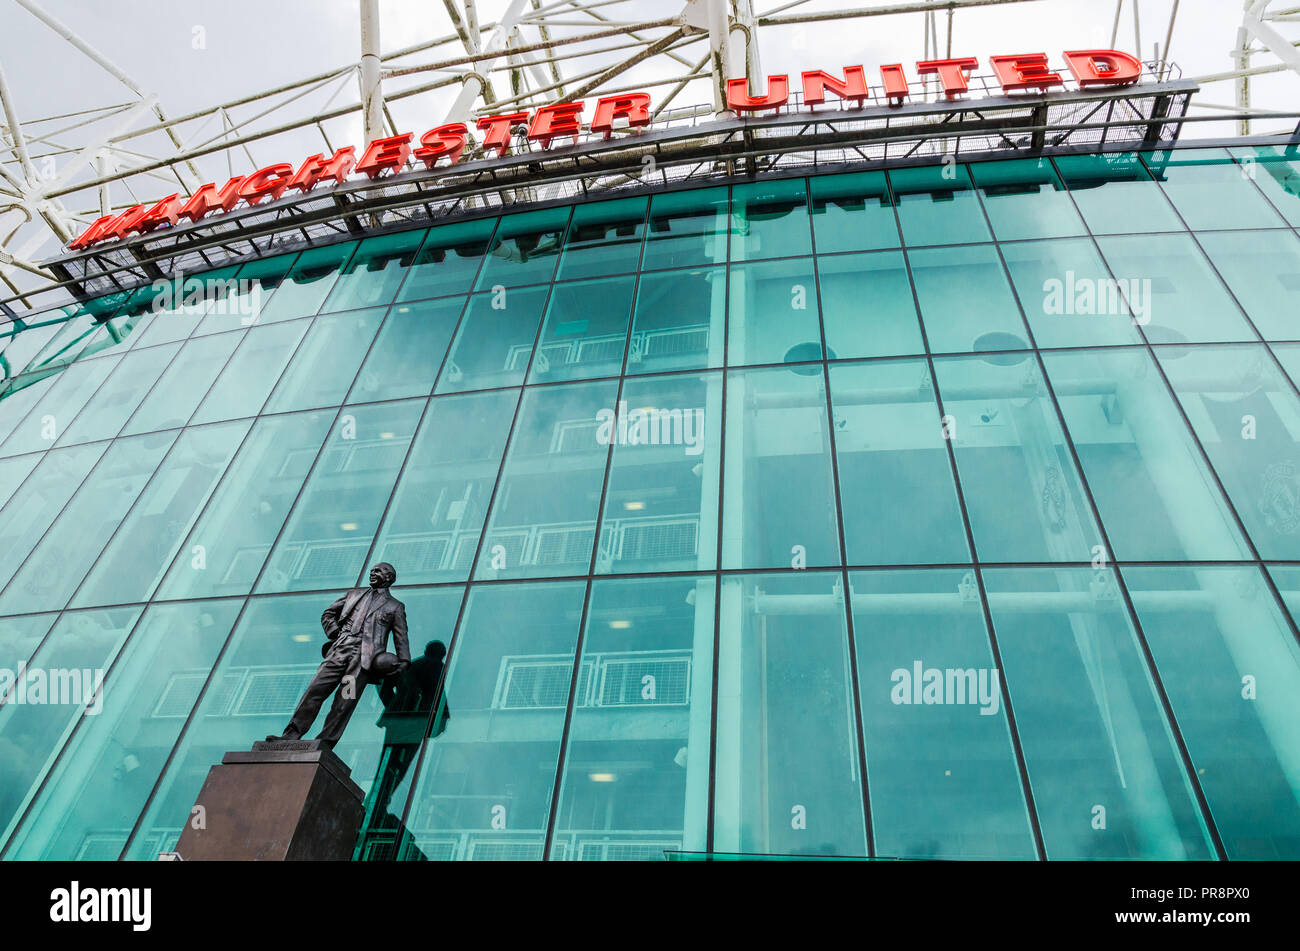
{"x":932,"y":512}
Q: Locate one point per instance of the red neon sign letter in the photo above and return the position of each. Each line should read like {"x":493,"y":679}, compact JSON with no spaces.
{"x":498,"y":130}
{"x":383,"y":154}
{"x":633,"y":106}
{"x":1103,"y":67}
{"x":853,"y":86}
{"x":208,"y":199}
{"x":1025,"y":71}
{"x":270,"y":181}
{"x":739,"y":99}
{"x":446,"y":140}
{"x":316,"y":169}
{"x":894,"y":80}
{"x":559,"y":121}
{"x":952,"y":72}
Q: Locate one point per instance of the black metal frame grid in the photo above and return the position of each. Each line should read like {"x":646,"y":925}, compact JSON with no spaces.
{"x":719,"y":575}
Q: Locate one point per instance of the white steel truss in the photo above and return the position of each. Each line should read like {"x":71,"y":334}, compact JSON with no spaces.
{"x":59,"y":173}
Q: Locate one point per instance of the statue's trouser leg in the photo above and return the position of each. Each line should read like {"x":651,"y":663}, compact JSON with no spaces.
{"x":345,"y":701}
{"x":331,"y":671}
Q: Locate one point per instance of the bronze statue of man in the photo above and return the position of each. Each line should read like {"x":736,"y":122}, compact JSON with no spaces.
{"x":356,"y":630}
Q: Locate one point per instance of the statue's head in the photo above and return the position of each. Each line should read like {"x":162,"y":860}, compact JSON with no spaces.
{"x":435,"y":650}
{"x":382,"y":575}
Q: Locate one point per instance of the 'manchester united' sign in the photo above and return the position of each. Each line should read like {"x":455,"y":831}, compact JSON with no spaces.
{"x":563,"y":121}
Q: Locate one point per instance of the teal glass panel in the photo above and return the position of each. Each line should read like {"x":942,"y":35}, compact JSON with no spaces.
{"x":433,"y":525}
{"x":17,"y":402}
{"x":1277,"y":173}
{"x":228,"y":545}
{"x":1173,"y":291}
{"x":1210,"y":190}
{"x":937,"y":205}
{"x":604,"y":238}
{"x":941,"y":771}
{"x":1116,"y":193}
{"x":678,"y":321}
{"x":585,"y":332}
{"x":853,"y":212}
{"x":1231,"y":668}
{"x":91,"y":799}
{"x":108,"y":409}
{"x":524,"y":249}
{"x":68,"y":550}
{"x":485,"y":784}
{"x":543,"y":520}
{"x":687,"y":229}
{"x":408,"y":352}
{"x":183,"y":384}
{"x":896,"y":483}
{"x":34,"y":507}
{"x":787,"y":776}
{"x":382,"y":755}
{"x":55,"y":691}
{"x":133,"y":563}
{"x":27,"y":343}
{"x":185,"y":303}
{"x":326,"y":362}
{"x":13,"y":472}
{"x":1157,"y":499}
{"x":374,"y":273}
{"x":966,"y":300}
{"x":661,"y":503}
{"x":249,"y":376}
{"x":58,"y":406}
{"x":1025,"y":199}
{"x":1107,"y":777}
{"x":309,"y":281}
{"x":1262,"y":269}
{"x":234,"y":302}
{"x":448,"y":260}
{"x":769,"y":219}
{"x":778,"y":485}
{"x":1246,"y":415}
{"x":636,"y":767}
{"x":494,"y":341}
{"x":19,"y":636}
{"x":867,"y":306}
{"x":326,"y":538}
{"x":772,"y":313}
{"x":1067,"y":294}
{"x":1024,"y":498}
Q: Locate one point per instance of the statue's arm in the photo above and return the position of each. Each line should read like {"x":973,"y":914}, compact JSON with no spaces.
{"x":329,"y":620}
{"x":399,"y":634}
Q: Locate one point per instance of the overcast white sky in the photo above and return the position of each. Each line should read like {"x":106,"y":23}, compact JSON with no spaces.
{"x":252,"y":45}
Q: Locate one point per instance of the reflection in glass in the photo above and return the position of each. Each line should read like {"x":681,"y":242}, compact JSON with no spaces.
{"x":543,"y":520}
{"x":636,"y":768}
{"x":899,"y":501}
{"x":661,"y":510}
{"x":433,"y":524}
{"x":778,"y":489}
{"x":1023,"y":495}
{"x":787,"y":775}
{"x":485,"y":784}
{"x":941,"y":772}
{"x":1107,"y":776}
{"x":1231,"y":667}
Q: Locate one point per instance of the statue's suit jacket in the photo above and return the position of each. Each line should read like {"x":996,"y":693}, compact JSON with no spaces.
{"x":385,"y":614}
